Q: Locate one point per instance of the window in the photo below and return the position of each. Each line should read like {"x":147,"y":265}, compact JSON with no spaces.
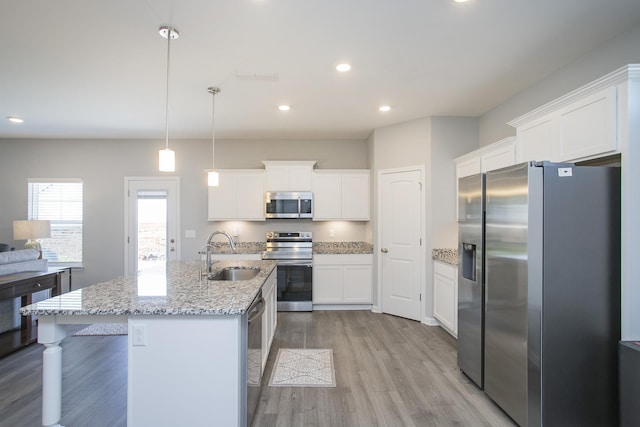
{"x":59,"y":201}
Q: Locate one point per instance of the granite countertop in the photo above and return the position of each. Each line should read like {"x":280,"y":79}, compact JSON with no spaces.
{"x":242,"y":248}
{"x":447,"y":256}
{"x":343,"y":248}
{"x":180,"y":291}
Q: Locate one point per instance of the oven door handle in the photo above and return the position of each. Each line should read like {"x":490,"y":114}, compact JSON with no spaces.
{"x":295,"y":263}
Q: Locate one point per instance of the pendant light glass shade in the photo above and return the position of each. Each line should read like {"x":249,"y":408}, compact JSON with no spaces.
{"x":213,"y":178}
{"x":167,"y":157}
{"x":167,"y":160}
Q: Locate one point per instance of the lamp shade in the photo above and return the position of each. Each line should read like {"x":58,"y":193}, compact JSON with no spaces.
{"x":31,"y":229}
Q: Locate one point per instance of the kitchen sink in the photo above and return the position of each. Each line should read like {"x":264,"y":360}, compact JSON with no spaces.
{"x":235,"y":273}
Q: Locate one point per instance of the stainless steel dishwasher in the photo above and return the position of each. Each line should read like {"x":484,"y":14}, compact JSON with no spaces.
{"x":254,"y":354}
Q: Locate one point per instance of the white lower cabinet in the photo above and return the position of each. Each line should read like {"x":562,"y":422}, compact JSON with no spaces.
{"x":270,"y":316}
{"x":342,"y":279}
{"x":445,"y":296}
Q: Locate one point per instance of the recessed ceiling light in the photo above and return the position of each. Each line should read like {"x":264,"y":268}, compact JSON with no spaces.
{"x":343,"y":67}
{"x":284,"y":108}
{"x":460,"y":1}
{"x":384,"y":108}
{"x":15,"y":119}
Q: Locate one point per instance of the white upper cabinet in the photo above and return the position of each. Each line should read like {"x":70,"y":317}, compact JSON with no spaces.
{"x":498,"y":155}
{"x":356,"y":191}
{"x":327,"y":195}
{"x":468,"y":167}
{"x":490,"y":157}
{"x":288,"y":175}
{"x":535,"y":141}
{"x":341,"y":195}
{"x":579,"y":126}
{"x":239,"y":196}
{"x":588,"y":127}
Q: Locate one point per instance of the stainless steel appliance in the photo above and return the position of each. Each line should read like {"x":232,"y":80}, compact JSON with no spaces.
{"x":552,"y":293}
{"x":254,"y":354}
{"x":293,"y":252}
{"x":471,"y":277}
{"x":629,"y":383}
{"x":288,"y":204}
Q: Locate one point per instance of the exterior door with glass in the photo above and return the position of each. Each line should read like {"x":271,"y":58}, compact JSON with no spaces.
{"x":152,"y":224}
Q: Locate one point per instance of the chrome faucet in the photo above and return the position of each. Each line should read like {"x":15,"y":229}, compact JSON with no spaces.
{"x":209,"y":245}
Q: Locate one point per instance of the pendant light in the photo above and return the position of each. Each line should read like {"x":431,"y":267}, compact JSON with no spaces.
{"x":213,"y":177}
{"x":167,"y":157}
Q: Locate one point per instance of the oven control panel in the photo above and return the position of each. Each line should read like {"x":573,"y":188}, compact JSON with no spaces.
{"x":290,"y":235}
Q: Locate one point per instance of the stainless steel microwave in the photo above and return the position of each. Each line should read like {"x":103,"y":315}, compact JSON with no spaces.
{"x":288,"y":204}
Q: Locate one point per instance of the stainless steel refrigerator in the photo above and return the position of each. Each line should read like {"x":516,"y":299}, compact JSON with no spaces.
{"x":471,"y":276}
{"x":552,"y":293}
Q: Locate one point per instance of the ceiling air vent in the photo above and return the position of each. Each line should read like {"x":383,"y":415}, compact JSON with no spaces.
{"x":257,"y":77}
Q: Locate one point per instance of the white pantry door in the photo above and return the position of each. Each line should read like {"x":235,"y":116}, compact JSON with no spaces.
{"x":151,"y":224}
{"x":401,"y":223}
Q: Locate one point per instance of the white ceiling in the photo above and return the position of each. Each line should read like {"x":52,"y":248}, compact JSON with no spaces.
{"x":97,"y":68}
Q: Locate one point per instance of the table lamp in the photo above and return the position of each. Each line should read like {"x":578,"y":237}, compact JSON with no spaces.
{"x":32,"y":230}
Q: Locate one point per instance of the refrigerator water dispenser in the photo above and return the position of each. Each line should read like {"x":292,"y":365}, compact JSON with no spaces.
{"x":469,"y":261}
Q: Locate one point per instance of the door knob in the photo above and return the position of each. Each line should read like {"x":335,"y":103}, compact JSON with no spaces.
{"x":384,"y":250}
{"x":172,"y":249}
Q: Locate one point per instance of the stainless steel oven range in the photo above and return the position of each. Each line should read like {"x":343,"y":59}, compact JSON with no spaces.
{"x":293,"y":252}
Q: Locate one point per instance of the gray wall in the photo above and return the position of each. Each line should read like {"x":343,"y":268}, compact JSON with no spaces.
{"x":451,"y":137}
{"x":617,"y":52}
{"x":329,"y":154}
{"x":432,"y":143}
{"x":103,"y":165}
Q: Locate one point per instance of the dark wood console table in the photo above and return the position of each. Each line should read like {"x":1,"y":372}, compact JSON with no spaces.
{"x":23,"y":285}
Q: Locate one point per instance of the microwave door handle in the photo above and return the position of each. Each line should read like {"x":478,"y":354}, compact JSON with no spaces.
{"x":299,"y":207}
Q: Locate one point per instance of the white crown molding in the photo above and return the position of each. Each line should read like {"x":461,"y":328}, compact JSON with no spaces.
{"x":622,"y":74}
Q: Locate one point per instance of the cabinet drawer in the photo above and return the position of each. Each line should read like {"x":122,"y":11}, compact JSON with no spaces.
{"x":340,"y":259}
{"x":35,"y":285}
{"x":446,"y":270}
{"x":29,"y":286}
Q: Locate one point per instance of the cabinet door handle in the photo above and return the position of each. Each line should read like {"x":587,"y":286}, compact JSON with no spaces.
{"x":37,"y":285}
{"x":384,"y":250}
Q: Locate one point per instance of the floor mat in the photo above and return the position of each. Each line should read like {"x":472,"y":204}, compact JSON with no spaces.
{"x":298,"y":367}
{"x":103,"y":329}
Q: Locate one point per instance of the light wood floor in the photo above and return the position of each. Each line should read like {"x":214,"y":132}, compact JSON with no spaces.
{"x":389,"y":372}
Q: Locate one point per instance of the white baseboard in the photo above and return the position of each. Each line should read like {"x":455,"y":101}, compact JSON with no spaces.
{"x":319,"y":307}
{"x":430,"y":321}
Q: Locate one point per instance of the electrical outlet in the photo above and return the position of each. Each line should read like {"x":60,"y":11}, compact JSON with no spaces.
{"x":139,"y":335}
{"x":332,"y":233}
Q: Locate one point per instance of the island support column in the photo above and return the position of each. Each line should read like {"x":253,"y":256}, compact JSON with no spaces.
{"x":50,"y":334}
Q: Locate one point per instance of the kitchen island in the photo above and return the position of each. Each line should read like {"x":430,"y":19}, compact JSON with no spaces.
{"x":186,"y":345}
